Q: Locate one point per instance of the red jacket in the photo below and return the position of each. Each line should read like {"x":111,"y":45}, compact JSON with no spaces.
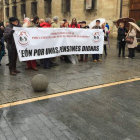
{"x":73,"y":26}
{"x":45,"y":25}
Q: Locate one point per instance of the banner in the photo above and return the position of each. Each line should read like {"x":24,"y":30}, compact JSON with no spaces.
{"x":39,"y":43}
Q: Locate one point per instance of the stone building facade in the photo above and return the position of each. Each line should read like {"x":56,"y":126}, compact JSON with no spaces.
{"x":108,"y":9}
{"x":1,"y":11}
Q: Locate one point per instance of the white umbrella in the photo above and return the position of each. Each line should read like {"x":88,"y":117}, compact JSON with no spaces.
{"x":135,"y":25}
{"x":93,"y":23}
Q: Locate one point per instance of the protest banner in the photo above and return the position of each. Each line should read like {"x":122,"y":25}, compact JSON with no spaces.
{"x":39,"y":43}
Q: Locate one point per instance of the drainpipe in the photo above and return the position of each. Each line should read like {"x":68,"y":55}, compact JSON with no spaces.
{"x":121,"y":3}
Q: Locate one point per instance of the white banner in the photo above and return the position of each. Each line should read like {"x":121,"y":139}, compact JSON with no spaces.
{"x":39,"y":43}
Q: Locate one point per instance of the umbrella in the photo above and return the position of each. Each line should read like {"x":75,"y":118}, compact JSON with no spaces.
{"x":125,"y":21}
{"x":93,"y":23}
{"x":135,"y":25}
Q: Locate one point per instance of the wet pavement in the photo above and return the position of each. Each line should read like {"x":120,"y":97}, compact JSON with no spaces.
{"x":110,"y":113}
{"x":67,"y":77}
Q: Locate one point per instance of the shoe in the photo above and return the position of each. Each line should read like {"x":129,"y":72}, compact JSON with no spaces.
{"x":13,"y":73}
{"x":95,"y":60}
{"x":126,"y":57}
{"x":17,"y":71}
{"x":118,"y":55}
{"x":100,"y":60}
{"x":0,"y":64}
{"x":47,"y":67}
{"x":7,"y":64}
{"x":28,"y":68}
{"x":35,"y":69}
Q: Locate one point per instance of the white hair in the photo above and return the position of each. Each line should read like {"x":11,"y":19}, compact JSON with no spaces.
{"x":47,"y":20}
{"x":55,"y":19}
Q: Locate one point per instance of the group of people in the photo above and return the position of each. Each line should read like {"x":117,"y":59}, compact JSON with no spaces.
{"x":123,"y":33}
{"x":6,"y":34}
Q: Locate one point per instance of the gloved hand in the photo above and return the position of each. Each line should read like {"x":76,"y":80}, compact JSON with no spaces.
{"x":12,"y":32}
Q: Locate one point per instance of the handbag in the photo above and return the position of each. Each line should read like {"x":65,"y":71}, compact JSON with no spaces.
{"x":129,"y":40}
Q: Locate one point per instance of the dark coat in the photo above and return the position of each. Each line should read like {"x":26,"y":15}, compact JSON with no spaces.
{"x":121,"y":33}
{"x":8,"y":35}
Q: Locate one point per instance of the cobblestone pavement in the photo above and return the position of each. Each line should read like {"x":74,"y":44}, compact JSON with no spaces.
{"x":110,"y":113}
{"x":68,"y":76}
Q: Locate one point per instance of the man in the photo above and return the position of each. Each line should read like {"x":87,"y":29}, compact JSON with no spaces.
{"x":96,"y":56}
{"x":55,"y":23}
{"x":1,"y":34}
{"x":84,"y":26}
{"x":8,"y":36}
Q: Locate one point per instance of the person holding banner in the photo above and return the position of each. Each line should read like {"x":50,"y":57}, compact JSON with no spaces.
{"x":8,"y":36}
{"x":96,"y":56}
{"x":32,"y":63}
{"x":84,"y":26}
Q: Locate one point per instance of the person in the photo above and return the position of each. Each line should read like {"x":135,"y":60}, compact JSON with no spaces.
{"x":80,"y":23}
{"x":55,"y":23}
{"x":8,"y":36}
{"x":1,"y":34}
{"x":107,"y":26}
{"x":41,"y":20}
{"x":74,"y":24}
{"x":35,"y":21}
{"x":84,"y":26}
{"x":47,"y":61}
{"x":122,"y":32}
{"x":7,"y":23}
{"x":105,"y":30}
{"x":96,"y":56}
{"x":31,"y":64}
{"x":131,"y":47}
{"x":1,"y":51}
{"x":65,"y":24}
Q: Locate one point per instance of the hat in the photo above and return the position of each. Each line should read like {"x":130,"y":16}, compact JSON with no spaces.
{"x":64,"y":20}
{"x":97,"y":20}
{"x":83,"y":22}
{"x":11,"y":19}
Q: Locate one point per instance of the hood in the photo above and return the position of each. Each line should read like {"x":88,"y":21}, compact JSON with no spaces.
{"x":44,"y":24}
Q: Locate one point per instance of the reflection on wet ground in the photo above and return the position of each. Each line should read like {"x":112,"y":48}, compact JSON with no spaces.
{"x":110,"y":113}
{"x":68,"y":76}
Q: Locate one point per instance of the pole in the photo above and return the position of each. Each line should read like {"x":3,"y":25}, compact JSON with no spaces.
{"x":121,"y":8}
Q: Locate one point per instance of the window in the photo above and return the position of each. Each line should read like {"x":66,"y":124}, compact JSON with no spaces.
{"x":89,"y":4}
{"x":23,"y":10}
{"x":48,"y":6}
{"x":34,"y":8}
{"x":14,"y":11}
{"x":66,"y":4}
{"x":7,"y":12}
{"x":6,"y":2}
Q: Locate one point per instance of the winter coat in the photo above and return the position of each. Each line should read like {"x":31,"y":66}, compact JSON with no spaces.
{"x":8,"y":35}
{"x":45,"y":25}
{"x":74,"y":26}
{"x":54,"y":25}
{"x":132,"y":34}
{"x":86,"y":27}
{"x":121,"y":33}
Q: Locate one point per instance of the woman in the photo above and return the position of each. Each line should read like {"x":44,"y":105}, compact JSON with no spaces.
{"x":32,"y":63}
{"x":131,"y":47}
{"x":73,"y":58}
{"x":105,"y":30}
{"x":74,"y":24}
{"x":122,"y":32}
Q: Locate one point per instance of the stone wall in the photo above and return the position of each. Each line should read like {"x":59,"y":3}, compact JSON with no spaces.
{"x":1,"y":10}
{"x":108,"y":9}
